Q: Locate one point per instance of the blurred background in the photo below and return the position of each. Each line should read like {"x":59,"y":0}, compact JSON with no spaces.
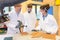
{"x":54,"y":8}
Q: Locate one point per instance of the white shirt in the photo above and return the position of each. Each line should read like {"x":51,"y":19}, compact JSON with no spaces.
{"x":30,"y":21}
{"x":14,"y":17}
{"x":48,"y":25}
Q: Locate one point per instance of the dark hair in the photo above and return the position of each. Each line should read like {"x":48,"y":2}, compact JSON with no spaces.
{"x":17,"y":5}
{"x":29,"y":5}
{"x":45,"y":7}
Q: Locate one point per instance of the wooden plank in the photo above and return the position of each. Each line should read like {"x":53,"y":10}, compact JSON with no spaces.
{"x":44,"y":35}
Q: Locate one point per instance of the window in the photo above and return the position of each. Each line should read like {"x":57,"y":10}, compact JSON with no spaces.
{"x":36,"y":9}
{"x":7,"y":9}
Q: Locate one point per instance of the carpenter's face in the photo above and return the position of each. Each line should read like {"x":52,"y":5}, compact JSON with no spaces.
{"x":42,"y":11}
{"x":29,"y":10}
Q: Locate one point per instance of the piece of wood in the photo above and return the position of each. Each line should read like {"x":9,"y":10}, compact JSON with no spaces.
{"x":36,"y":34}
{"x":49,"y":36}
{"x":24,"y":33}
{"x":44,"y":35}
